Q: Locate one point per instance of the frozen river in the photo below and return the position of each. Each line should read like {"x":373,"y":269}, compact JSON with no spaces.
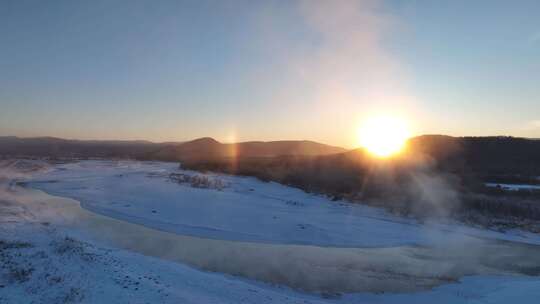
{"x":233,"y":230}
{"x":238,"y":208}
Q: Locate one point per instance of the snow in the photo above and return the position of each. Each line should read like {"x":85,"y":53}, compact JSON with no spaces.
{"x":119,"y":276}
{"x":107,"y":275}
{"x":117,"y":250}
{"x":246,"y":210}
{"x":89,"y":274}
{"x":479,"y":289}
{"x":514,"y":187}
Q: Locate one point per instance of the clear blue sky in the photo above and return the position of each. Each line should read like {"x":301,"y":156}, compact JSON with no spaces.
{"x":267,"y":70}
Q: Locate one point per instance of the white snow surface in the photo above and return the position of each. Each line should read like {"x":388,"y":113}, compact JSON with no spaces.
{"x":514,"y":187}
{"x":246,"y":210}
{"x":68,"y":266}
{"x":86,"y":273}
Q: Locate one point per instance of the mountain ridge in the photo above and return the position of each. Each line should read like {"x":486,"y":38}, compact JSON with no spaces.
{"x":204,"y":147}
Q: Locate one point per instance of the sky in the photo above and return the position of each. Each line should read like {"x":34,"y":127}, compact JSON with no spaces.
{"x":267,"y":70}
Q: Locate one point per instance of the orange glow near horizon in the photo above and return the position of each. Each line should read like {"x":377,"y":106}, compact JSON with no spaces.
{"x":384,"y":136}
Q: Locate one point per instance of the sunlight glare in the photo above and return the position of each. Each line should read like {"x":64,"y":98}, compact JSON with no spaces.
{"x":384,"y":136}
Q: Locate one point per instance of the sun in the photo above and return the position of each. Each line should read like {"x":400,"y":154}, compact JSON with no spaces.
{"x":384,"y":136}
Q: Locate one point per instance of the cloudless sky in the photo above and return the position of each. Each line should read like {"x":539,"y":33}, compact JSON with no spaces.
{"x":267,"y":70}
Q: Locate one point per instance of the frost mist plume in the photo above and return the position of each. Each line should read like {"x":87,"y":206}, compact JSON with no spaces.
{"x":342,"y":72}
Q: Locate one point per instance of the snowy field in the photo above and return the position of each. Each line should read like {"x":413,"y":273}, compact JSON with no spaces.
{"x":151,"y":233}
{"x":513,"y":187}
{"x":240,"y":209}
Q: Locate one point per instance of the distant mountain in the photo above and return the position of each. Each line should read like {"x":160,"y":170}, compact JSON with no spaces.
{"x":202,"y":148}
{"x":493,"y":158}
{"x":209,"y":148}
{"x":469,"y":160}
{"x":437,"y":175}
{"x":11,"y":146}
